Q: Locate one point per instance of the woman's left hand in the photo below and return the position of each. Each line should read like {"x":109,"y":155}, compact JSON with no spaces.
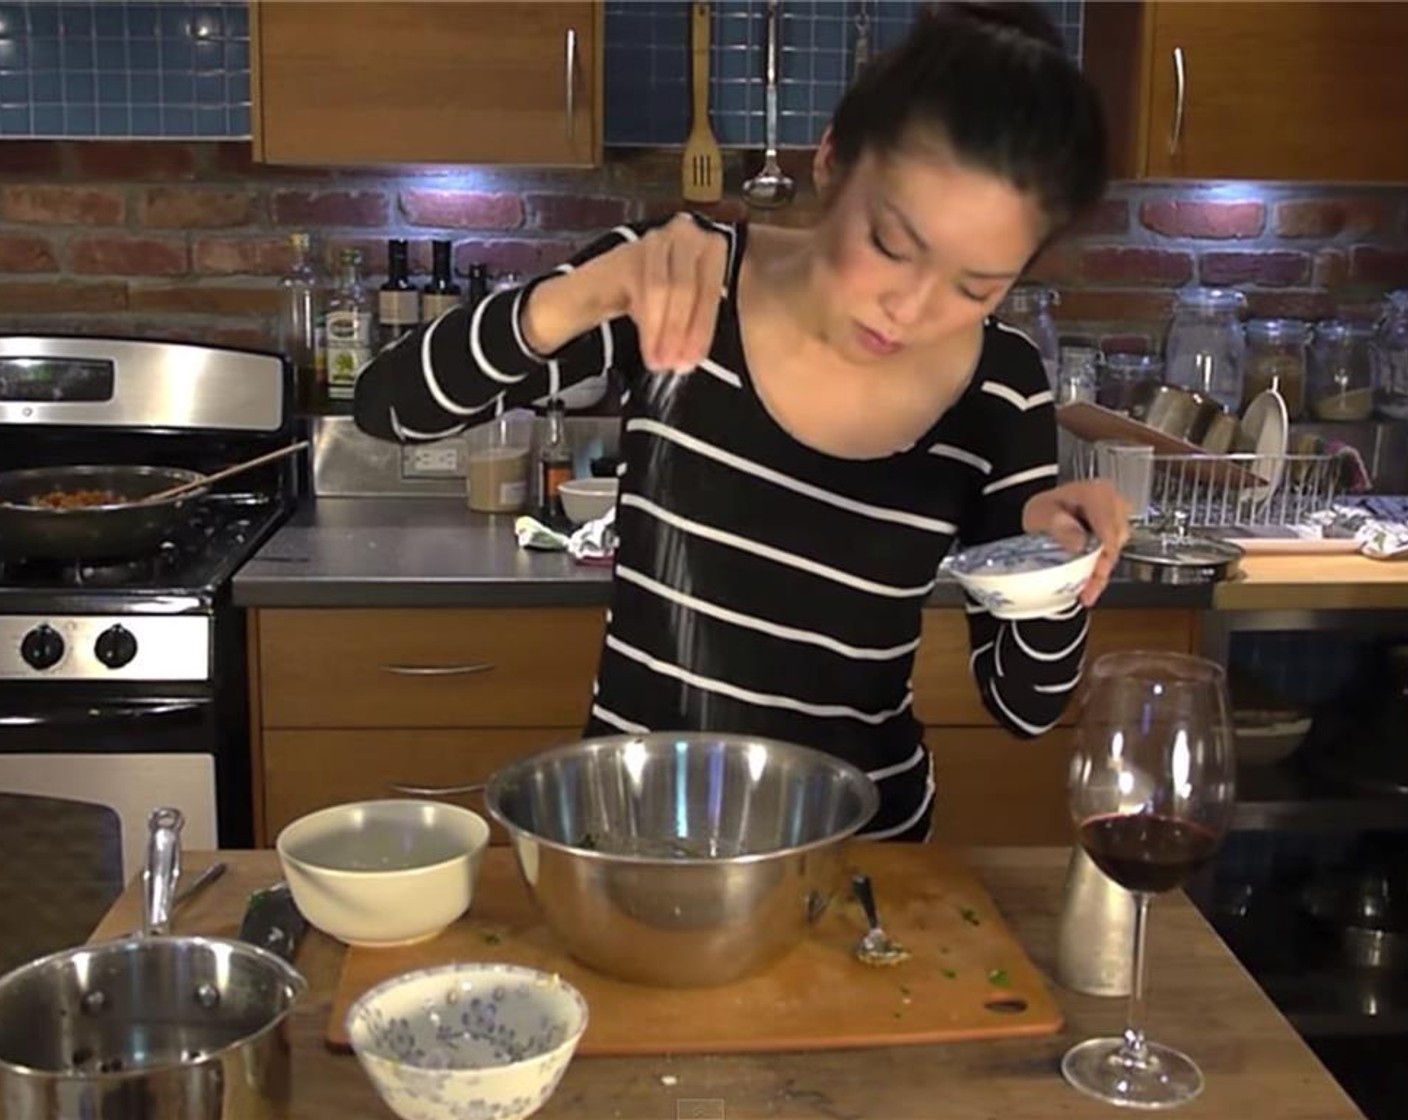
{"x":1070,"y":512}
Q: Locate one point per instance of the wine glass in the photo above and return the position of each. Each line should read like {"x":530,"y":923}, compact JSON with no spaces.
{"x":1152,"y":791}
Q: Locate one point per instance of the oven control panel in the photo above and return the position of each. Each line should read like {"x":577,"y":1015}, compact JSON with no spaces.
{"x":105,"y":647}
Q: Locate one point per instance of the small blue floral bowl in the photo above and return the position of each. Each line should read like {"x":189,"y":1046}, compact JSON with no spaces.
{"x":1029,"y":576}
{"x":467,"y":1041}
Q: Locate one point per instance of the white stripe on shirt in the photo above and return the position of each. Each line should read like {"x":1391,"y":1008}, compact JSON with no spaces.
{"x":727,"y":376}
{"x":748,"y":695}
{"x":898,"y":768}
{"x":1037,"y":655}
{"x":480,"y":358}
{"x":768,"y":474}
{"x":1031,"y":474}
{"x":1014,"y":398}
{"x":619,"y":722}
{"x":948,"y":451}
{"x":767,"y":552}
{"x":751,"y":622}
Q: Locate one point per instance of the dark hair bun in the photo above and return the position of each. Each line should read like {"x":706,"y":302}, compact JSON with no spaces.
{"x":1001,"y":17}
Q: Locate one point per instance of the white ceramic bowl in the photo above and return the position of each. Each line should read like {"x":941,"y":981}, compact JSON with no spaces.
{"x":1028,"y":576}
{"x":380,"y":873}
{"x":467,"y":1040}
{"x":586,"y":499}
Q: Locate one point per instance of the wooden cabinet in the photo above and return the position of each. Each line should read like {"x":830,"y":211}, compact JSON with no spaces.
{"x":351,"y":704}
{"x":457,"y":81}
{"x":1198,"y":89}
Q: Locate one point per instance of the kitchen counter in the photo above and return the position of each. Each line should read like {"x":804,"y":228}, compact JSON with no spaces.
{"x":433,"y":552}
{"x":1309,"y":582}
{"x":1200,"y":1000}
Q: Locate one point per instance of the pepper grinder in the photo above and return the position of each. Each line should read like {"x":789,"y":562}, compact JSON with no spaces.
{"x":1095,"y":938}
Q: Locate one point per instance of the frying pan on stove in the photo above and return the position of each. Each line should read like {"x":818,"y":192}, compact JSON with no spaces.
{"x":127,"y":527}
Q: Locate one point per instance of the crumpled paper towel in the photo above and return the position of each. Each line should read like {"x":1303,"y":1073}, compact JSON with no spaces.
{"x":1377,"y":539}
{"x":592,"y":543}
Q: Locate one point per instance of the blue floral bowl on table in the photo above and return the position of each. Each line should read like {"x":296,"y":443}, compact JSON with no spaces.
{"x":467,"y":1041}
{"x":1029,"y":576}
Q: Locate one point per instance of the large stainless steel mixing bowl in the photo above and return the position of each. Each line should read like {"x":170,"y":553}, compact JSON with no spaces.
{"x":682,"y":860}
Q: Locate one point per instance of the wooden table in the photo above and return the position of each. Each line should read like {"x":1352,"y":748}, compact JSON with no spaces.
{"x":1200,"y":1001}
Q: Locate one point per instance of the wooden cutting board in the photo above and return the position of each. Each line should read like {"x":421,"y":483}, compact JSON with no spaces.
{"x":968,"y":977}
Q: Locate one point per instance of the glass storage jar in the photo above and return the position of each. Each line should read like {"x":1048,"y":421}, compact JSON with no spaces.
{"x":1276,"y":359}
{"x":1120,"y":373}
{"x":1390,"y":355}
{"x":1205,"y":349}
{"x":1341,"y":378}
{"x":1028,"y":308}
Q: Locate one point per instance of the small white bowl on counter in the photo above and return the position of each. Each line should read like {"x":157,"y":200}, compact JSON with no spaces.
{"x":382,"y":873}
{"x":1028,"y":576}
{"x":586,"y":499}
{"x":467,"y":1040}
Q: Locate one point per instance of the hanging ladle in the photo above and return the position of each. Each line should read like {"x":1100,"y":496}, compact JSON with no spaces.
{"x":771,"y":187}
{"x":219,"y":476}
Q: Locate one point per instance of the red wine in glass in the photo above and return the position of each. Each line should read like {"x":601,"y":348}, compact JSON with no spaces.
{"x":1152,"y":792}
{"x":1146,"y":851}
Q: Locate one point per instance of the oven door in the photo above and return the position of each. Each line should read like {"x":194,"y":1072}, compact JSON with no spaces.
{"x":81,"y":779}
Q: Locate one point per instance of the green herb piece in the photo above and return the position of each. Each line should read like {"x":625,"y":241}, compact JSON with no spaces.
{"x":969,"y":915}
{"x":492,"y":938}
{"x":998,"y":978}
{"x":948,"y":974}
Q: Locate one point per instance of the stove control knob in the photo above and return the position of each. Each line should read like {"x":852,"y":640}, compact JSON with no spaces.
{"x":42,"y":647}
{"x":115,"y":647}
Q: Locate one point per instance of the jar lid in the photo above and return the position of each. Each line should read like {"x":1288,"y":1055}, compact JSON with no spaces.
{"x":1343,"y":330}
{"x":1212,"y":299}
{"x":1178,"y":549}
{"x":1278,"y":330}
{"x":1029,"y":297}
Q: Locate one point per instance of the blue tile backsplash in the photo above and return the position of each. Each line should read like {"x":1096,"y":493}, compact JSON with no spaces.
{"x":109,"y":68}
{"x":648,"y":64}
{"x":173,"y":69}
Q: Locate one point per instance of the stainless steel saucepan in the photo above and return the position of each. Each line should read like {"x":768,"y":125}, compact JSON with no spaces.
{"x":148,"y":1027}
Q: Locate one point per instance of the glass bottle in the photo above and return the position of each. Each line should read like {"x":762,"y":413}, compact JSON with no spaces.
{"x":442,"y":293}
{"x":1121,"y":373}
{"x":554,"y":462}
{"x":1341,"y":378}
{"x":478,"y":285}
{"x":349,"y":328}
{"x":301,"y":292}
{"x":1205,"y":349}
{"x":1028,"y":308}
{"x":1276,"y":359}
{"x":1390,"y":354}
{"x":397,"y":302}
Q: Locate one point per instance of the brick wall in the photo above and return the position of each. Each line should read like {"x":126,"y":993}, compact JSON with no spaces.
{"x":187,"y":240}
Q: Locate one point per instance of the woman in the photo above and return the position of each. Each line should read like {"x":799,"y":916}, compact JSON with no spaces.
{"x":813,"y":417}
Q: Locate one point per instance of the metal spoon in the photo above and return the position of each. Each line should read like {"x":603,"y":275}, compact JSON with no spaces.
{"x":201,"y":881}
{"x":877,"y":947}
{"x":771,"y":187}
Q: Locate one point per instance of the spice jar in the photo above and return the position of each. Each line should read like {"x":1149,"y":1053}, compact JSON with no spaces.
{"x":1276,"y":359}
{"x":1390,"y":356}
{"x":1341,"y":377}
{"x":1028,"y":308}
{"x":1205,"y":349}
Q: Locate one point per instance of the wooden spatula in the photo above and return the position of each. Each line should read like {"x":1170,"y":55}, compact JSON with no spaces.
{"x":218,"y":476}
{"x":703,"y":167}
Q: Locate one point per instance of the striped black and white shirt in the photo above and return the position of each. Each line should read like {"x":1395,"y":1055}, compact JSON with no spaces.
{"x":761,"y":586}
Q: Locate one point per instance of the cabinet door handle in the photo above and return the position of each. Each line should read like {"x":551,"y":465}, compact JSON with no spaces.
{"x":1180,"y":99}
{"x":437,"y":670}
{"x":571,"y":74}
{"x":438,"y":791}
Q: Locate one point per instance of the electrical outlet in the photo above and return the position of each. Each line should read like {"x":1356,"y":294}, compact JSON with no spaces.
{"x":433,"y":460}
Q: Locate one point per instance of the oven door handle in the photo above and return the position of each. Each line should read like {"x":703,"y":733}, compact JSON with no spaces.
{"x":88,"y":714}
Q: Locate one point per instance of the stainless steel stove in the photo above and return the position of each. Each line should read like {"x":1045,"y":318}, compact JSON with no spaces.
{"x":123,"y":680}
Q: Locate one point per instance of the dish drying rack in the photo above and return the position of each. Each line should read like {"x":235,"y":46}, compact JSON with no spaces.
{"x":1238,"y":490}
